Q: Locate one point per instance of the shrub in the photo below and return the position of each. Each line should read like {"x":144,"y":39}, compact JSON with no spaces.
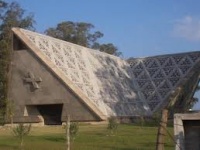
{"x":20,"y":131}
{"x":74,"y":127}
{"x":112,"y":125}
{"x":73,"y":130}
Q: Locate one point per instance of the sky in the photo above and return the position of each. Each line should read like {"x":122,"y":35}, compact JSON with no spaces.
{"x":138,"y":28}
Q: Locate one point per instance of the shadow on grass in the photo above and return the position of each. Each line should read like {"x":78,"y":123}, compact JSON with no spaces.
{"x":166,"y":145}
{"x":54,"y":139}
{"x":51,"y":138}
{"x":9,"y":147}
{"x":100,"y":134}
{"x":120,"y":148}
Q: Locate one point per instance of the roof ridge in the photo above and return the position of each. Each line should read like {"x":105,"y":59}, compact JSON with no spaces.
{"x":57,"y":72}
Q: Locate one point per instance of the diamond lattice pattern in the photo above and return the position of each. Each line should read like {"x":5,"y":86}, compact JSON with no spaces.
{"x":115,"y":86}
{"x":157,"y":77}
{"x":103,"y":78}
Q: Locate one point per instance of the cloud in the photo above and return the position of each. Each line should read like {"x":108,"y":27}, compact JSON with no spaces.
{"x":188,"y":28}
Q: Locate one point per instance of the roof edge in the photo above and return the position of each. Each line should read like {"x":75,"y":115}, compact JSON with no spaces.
{"x":164,"y":55}
{"x":58,"y":73}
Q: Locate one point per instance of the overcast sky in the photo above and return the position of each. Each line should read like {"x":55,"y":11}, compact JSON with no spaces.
{"x":138,"y":28}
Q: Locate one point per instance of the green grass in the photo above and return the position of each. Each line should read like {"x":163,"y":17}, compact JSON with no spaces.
{"x":90,"y":137}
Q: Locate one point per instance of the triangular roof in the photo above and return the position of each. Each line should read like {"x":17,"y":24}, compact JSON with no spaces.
{"x":107,"y":84}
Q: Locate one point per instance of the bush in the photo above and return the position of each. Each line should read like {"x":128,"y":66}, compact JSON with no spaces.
{"x":112,"y":125}
{"x":74,"y":127}
{"x":20,"y":131}
{"x":73,"y":130}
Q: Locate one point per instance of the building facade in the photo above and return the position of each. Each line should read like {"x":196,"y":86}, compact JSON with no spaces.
{"x":51,"y":79}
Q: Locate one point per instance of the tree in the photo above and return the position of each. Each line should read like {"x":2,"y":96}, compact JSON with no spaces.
{"x":194,"y":99}
{"x":10,"y":111}
{"x":3,"y":54}
{"x":20,"y":131}
{"x":71,"y":131}
{"x":74,"y":127}
{"x":3,"y":6}
{"x":107,"y":48}
{"x":112,"y":125}
{"x":11,"y":15}
{"x":80,"y":33}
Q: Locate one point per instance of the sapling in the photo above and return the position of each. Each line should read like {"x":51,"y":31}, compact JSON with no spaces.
{"x":21,"y":131}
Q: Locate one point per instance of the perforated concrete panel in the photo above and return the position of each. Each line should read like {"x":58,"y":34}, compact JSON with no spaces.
{"x":113,"y":85}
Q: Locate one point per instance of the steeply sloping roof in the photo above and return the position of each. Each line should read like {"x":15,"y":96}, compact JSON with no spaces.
{"x":158,"y":77}
{"x":110,"y":85}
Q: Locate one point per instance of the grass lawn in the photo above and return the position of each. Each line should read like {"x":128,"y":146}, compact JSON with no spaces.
{"x":90,"y":137}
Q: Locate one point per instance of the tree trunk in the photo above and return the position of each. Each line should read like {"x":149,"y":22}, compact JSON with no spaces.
{"x":162,"y":130}
{"x":68,"y":132}
{"x":11,"y":120}
{"x":22,"y":142}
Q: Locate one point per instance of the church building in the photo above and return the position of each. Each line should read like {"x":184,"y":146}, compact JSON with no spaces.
{"x":51,"y":78}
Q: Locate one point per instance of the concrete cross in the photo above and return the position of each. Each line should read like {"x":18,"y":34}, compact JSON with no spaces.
{"x":30,"y":78}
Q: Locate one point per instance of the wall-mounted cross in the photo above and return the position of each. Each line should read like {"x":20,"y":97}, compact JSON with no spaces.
{"x":30,"y":78}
